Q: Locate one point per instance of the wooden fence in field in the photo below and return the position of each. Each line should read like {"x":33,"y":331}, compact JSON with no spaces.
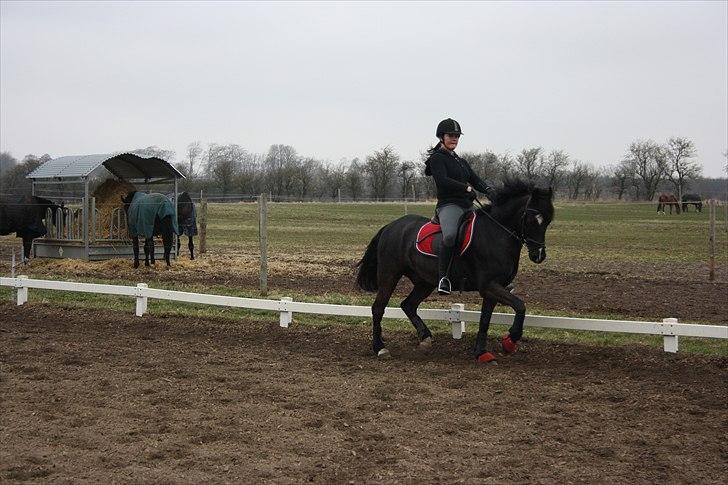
{"x":669,"y":328}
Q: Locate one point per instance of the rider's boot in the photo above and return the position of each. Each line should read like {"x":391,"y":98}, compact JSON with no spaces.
{"x":445,"y":257}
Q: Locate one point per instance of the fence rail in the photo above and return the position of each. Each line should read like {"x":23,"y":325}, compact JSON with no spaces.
{"x":669,"y":328}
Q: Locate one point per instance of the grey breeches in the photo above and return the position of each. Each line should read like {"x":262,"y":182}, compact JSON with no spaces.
{"x":449,"y":216}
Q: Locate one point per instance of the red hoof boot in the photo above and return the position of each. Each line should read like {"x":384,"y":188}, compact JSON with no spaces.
{"x":486,"y":357}
{"x":509,"y":346}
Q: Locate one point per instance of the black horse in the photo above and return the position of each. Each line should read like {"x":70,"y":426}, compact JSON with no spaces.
{"x":520,"y":215}
{"x":149,"y":215}
{"x":692,"y":199}
{"x":26,"y":217}
{"x":187,"y":221}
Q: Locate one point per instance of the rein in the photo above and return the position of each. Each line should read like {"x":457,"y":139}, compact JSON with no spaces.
{"x":520,"y":237}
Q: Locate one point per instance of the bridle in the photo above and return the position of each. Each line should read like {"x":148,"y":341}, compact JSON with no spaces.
{"x":531,"y":244}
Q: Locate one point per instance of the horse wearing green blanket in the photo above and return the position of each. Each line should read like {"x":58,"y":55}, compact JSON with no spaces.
{"x":149,"y":215}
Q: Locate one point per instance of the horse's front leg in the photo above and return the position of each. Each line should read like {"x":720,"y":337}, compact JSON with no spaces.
{"x":135,"y":248}
{"x":191,"y":245}
{"x":486,"y":312}
{"x":27,"y":246}
{"x":503,"y":296}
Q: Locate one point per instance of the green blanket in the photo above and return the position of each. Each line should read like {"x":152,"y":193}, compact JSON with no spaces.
{"x":144,"y":208}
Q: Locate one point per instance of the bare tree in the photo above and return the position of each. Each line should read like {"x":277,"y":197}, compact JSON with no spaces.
{"x":13,"y":180}
{"x":406,"y":174}
{"x":622,"y":179}
{"x":648,"y":161}
{"x":194,"y":150}
{"x":576,"y":179}
{"x":487,"y":164}
{"x":529,"y":162}
{"x":554,"y":168}
{"x":224,"y":163}
{"x":381,"y":168}
{"x":155,"y":151}
{"x":681,"y":168}
{"x":282,"y":164}
{"x":355,"y":179}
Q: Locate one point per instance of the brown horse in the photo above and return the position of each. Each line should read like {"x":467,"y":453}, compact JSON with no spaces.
{"x":669,"y":200}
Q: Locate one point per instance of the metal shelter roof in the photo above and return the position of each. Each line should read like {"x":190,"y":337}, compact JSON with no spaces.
{"x":127,"y":166}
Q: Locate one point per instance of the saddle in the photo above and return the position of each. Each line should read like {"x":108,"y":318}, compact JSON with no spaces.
{"x":429,"y":237}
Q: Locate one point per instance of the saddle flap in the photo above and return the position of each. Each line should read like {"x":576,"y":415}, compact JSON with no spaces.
{"x":429,"y":237}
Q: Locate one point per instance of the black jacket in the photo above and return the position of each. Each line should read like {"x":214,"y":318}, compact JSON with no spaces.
{"x":452,"y":175}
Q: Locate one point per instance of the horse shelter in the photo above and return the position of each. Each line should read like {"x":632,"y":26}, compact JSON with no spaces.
{"x":82,"y":231}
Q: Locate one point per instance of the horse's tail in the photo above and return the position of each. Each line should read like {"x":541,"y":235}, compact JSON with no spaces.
{"x":367,"y":277}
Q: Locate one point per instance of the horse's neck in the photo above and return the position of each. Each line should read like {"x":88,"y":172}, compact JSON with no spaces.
{"x":510,"y":213}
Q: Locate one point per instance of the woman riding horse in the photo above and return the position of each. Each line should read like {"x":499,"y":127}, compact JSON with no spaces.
{"x":456,"y":183}
{"x":519,"y":215}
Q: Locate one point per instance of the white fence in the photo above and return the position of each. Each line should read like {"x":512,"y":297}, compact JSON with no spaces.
{"x":456,"y":315}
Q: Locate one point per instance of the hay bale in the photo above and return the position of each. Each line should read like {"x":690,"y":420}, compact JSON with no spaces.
{"x":108,"y":197}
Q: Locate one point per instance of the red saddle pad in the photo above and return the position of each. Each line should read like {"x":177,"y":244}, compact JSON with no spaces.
{"x":426,"y":236}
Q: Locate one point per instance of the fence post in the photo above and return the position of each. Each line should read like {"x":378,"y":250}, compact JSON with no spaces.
{"x":711,"y":240}
{"x":458,"y":326}
{"x":21,"y":290}
{"x":203,"y":226}
{"x":669,"y":342}
{"x":263,"y":239}
{"x":141,"y":300}
{"x":286,"y":314}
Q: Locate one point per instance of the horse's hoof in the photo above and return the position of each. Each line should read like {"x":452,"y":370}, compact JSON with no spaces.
{"x":486,"y":358}
{"x":384,"y":354}
{"x":509,"y":346}
{"x":426,"y":343}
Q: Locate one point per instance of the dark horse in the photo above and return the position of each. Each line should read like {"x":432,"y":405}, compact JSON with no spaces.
{"x":187,"y":221}
{"x":520,"y":215}
{"x":669,"y":200}
{"x":149,"y":215}
{"x":692,"y":199}
{"x":26,"y":217}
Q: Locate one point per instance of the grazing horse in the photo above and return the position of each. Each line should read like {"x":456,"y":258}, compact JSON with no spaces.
{"x":149,"y":215}
{"x":520,"y":215}
{"x":187,"y":221}
{"x":26,"y":217}
{"x":667,"y":199}
{"x":692,"y":199}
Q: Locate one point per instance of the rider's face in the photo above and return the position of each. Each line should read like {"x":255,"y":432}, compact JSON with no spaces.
{"x":450,"y":140}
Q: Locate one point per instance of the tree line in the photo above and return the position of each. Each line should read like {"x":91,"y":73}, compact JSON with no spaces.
{"x":230,"y":169}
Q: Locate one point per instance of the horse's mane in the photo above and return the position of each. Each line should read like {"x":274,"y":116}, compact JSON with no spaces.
{"x":185,"y":198}
{"x":514,"y":187}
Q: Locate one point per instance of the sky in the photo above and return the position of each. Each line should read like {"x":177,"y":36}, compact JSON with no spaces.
{"x":342,"y":79}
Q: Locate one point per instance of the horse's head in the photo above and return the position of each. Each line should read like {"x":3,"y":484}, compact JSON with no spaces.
{"x":126,"y":200}
{"x":528,"y":211}
{"x":536,"y":219}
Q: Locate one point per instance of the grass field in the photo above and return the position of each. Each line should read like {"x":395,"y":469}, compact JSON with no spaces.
{"x":593,"y":233}
{"x":621,"y":238}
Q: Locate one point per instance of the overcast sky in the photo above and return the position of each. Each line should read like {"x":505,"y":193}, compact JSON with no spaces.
{"x":343,"y":79}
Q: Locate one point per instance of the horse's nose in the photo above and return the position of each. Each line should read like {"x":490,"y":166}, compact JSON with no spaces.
{"x":538,"y":255}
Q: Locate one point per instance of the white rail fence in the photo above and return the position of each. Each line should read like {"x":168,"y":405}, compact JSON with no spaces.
{"x":669,"y":328}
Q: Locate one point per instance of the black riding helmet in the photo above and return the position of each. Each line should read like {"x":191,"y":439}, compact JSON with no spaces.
{"x":449,"y":126}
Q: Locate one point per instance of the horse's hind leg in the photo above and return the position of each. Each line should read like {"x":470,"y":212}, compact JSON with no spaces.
{"x":167,"y":241}
{"x":148,"y":248}
{"x":135,"y":248}
{"x":191,"y":245}
{"x":410,"y":304}
{"x":386,"y":288}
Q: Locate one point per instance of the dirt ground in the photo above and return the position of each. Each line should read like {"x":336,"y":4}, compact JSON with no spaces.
{"x":102,"y":396}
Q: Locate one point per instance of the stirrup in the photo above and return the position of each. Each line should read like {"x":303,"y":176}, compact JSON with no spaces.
{"x":443,"y":287}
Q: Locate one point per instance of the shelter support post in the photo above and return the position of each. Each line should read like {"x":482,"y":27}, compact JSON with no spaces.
{"x":86,"y":204}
